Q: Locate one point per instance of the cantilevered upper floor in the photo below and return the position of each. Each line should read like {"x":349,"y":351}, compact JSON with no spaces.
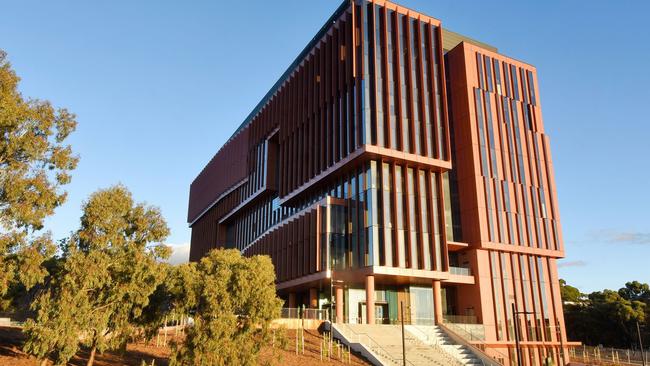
{"x":369,"y":85}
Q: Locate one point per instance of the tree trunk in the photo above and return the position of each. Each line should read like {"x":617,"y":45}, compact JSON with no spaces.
{"x":93,"y":349}
{"x":91,"y":359}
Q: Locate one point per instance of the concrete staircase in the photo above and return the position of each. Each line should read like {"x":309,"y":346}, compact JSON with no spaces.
{"x":434,"y":336}
{"x":382,"y":345}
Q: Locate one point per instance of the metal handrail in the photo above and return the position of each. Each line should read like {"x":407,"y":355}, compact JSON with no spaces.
{"x":477,"y":346}
{"x":450,"y":358}
{"x":467,"y":333}
{"x":463,"y":319}
{"x":300,"y":313}
{"x":385,"y":354}
{"x":289,"y":313}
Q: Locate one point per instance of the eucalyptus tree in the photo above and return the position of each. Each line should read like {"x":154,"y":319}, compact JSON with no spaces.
{"x":233,"y":303}
{"x":109,"y":269}
{"x":35,"y":165}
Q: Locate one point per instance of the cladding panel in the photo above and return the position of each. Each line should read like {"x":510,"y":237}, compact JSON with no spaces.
{"x":350,"y":160}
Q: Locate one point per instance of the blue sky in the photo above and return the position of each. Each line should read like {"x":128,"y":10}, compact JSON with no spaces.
{"x":158,"y":86}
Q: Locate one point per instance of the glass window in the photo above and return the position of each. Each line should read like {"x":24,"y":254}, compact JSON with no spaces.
{"x":488,"y":73}
{"x":499,"y":200}
{"x":531,"y":86}
{"x":540,"y":178}
{"x":403,"y":59}
{"x":496,"y":288}
{"x":363,"y":219}
{"x":528,"y":216}
{"x":536,"y":215}
{"x":449,"y":220}
{"x":376,"y":242}
{"x":506,"y":79}
{"x":520,"y":229}
{"x":479,"y":68}
{"x":485,"y":169}
{"x":515,"y":82}
{"x":379,"y":90}
{"x":388,"y":212}
{"x":391,"y":81}
{"x":506,"y":294}
{"x":506,"y":197}
{"x":497,"y":76}
{"x":424,"y":216}
{"x":490,"y":211}
{"x":513,"y":162}
{"x":493,"y":154}
{"x":421,"y":299}
{"x":518,"y":143}
{"x":535,"y":289}
{"x":365,"y":97}
{"x":433,"y":179}
{"x":354,"y":127}
{"x":441,"y":153}
{"x":524,"y":84}
{"x":424,"y":34}
{"x":354,"y":225}
{"x":545,"y":309}
{"x":415,"y":91}
{"x":525,"y":284}
{"x":401,"y":214}
{"x":413,"y":219}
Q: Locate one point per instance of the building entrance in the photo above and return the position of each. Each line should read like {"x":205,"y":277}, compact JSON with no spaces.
{"x":381,"y":313}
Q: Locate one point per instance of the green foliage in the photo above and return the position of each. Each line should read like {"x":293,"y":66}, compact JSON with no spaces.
{"x":35,"y":164}
{"x":607,"y":317}
{"x":109,"y":269}
{"x":570,"y":293}
{"x":233,"y":303}
{"x":636,"y":291}
{"x":174,"y":297}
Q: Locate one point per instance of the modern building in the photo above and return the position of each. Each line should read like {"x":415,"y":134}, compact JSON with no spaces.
{"x":396,"y":162}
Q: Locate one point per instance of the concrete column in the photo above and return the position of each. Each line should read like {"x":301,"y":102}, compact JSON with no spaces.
{"x":292,"y":300}
{"x":313,"y":298}
{"x":370,"y":299}
{"x":437,"y":301}
{"x":339,"y":304}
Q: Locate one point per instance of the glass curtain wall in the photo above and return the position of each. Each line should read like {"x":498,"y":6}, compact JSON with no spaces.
{"x":383,"y":214}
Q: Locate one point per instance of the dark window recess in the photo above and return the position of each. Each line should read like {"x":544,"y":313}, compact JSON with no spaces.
{"x":515,"y":81}
{"x":488,"y":73}
{"x":497,"y":77}
{"x":524,"y":84}
{"x":531,"y":86}
{"x":479,"y":66}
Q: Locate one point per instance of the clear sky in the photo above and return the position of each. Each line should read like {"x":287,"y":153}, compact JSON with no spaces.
{"x":158,"y":86}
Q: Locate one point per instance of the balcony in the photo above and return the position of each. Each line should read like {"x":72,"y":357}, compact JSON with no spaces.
{"x":460,"y":271}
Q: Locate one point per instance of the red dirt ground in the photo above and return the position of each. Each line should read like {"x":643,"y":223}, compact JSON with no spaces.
{"x":11,"y":340}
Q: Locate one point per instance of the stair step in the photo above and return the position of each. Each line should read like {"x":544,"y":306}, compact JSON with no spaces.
{"x":425,"y":345}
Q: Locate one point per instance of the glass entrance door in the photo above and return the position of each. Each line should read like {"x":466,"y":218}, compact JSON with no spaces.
{"x":381,"y":314}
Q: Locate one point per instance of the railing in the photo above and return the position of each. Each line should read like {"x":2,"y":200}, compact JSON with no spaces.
{"x":315,"y":314}
{"x":471,"y":332}
{"x":408,"y":319}
{"x":607,"y":355}
{"x":290,"y":313}
{"x":421,"y":321}
{"x":461,"y":271}
{"x":303,"y":313}
{"x":478,"y":347}
{"x":433,"y":342}
{"x":462,"y":319}
{"x":373,"y":346}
